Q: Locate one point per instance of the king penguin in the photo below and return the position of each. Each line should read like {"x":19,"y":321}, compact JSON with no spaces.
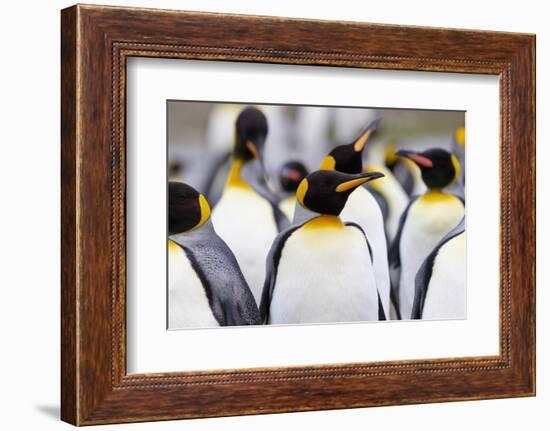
{"x":206,"y":286}
{"x":440,"y":283}
{"x":426,"y":220}
{"x":362,"y":208}
{"x":321,"y":269}
{"x":247,"y":216}
{"x":290,"y":176}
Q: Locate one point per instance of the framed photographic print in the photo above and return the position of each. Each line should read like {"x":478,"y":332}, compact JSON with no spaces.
{"x":259,"y":217}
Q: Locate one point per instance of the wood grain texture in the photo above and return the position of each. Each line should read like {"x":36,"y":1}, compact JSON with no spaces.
{"x":96,"y":41}
{"x":69,"y":331}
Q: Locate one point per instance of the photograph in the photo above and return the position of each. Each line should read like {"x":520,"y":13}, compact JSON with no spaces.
{"x":299,"y":214}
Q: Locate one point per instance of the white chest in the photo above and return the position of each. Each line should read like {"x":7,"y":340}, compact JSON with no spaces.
{"x":245,"y":221}
{"x":187,"y":301}
{"x":324,"y":276}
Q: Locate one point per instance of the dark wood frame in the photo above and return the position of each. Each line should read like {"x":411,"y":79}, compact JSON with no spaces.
{"x":95,"y":43}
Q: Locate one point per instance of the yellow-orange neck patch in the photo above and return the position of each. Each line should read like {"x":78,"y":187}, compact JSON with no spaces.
{"x":205,"y":211}
{"x":436,"y":196}
{"x":172,"y":246}
{"x":328,"y":163}
{"x":325,"y":221}
{"x":234,"y":179}
{"x":301,"y":191}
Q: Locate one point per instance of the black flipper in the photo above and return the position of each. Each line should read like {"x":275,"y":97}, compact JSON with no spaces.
{"x":381,"y":314}
{"x":424,"y":274}
{"x":395,"y":303}
{"x":229,"y":296}
{"x":394,"y":258}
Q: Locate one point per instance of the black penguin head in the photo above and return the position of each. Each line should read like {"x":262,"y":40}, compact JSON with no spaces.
{"x":291,"y":174}
{"x":250,"y":134}
{"x":439,"y":168}
{"x":187,"y":208}
{"x":349,"y":158}
{"x":326,"y":192}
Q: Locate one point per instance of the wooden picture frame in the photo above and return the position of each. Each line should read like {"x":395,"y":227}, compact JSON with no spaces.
{"x":95,"y":43}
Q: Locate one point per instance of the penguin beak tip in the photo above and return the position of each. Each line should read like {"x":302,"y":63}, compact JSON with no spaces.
{"x":376,"y":124}
{"x":376,"y":175}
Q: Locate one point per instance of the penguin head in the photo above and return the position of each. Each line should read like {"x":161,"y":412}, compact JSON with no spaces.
{"x":187,"y":208}
{"x":250,"y":134}
{"x":439,"y":168}
{"x":326,"y":192}
{"x":291,"y":174}
{"x":349,"y":158}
